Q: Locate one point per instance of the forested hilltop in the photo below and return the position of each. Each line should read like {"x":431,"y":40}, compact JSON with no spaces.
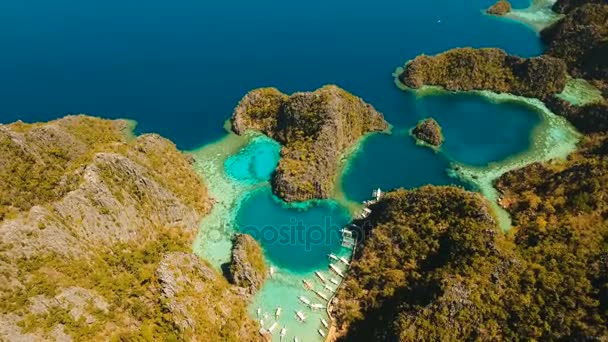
{"x":314,"y":128}
{"x":96,"y":229}
{"x":435,"y":267}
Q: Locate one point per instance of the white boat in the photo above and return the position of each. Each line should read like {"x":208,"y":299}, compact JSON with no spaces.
{"x":321,"y":295}
{"x":320,"y":276}
{"x":278,"y":312}
{"x":283,"y":332}
{"x":344,"y":261}
{"x":307,"y":285}
{"x":259,"y":312}
{"x":324,"y":322}
{"x":321,"y":332}
{"x":295,"y":339}
{"x":316,"y":306}
{"x":332,"y":256}
{"x":301,"y":316}
{"x":334,"y":281}
{"x":335,"y":269}
{"x":272,"y":272}
{"x":262,"y":322}
{"x":272,"y":327}
{"x":304,"y":300}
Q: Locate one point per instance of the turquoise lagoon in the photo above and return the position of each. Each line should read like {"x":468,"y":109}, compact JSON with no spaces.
{"x":178,"y":68}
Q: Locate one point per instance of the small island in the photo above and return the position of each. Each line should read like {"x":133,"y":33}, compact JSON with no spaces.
{"x":428,"y":131}
{"x":314,"y":128}
{"x":501,"y":7}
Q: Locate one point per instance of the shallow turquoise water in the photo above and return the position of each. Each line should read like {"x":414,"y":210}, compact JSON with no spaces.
{"x":293,"y":238}
{"x":255,"y":163}
{"x":296,"y":240}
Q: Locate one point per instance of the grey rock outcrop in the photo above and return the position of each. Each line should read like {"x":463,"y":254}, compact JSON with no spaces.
{"x":247,"y":267}
{"x":314,"y":128}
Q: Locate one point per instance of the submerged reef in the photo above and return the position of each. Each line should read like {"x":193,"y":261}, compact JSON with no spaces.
{"x":501,"y":7}
{"x":581,"y":40}
{"x":247,"y":266}
{"x":487,"y":69}
{"x":428,"y":131}
{"x":314,"y":129}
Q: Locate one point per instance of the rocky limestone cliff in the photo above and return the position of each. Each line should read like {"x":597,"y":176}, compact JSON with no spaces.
{"x":87,"y":212}
{"x":315,"y":129}
{"x":581,"y":40}
{"x":501,"y":7}
{"x":565,"y":6}
{"x":491,"y":69}
{"x":428,"y":131}
{"x":247,"y":266}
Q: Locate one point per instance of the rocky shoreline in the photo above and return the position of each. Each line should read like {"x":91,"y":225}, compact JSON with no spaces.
{"x":314,"y":129}
{"x":464,"y":69}
{"x":429,"y":132}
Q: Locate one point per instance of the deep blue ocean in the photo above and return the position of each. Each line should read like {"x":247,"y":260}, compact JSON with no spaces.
{"x":180,"y":67}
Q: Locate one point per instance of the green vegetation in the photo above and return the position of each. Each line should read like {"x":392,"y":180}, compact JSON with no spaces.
{"x":581,"y":40}
{"x":428,"y":131}
{"x":40,"y":162}
{"x":125,"y":276}
{"x":108,"y":254}
{"x":314,"y":129}
{"x":436,"y":267}
{"x":487,"y":69}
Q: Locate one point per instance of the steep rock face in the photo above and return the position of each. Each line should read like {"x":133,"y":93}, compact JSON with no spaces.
{"x":247,"y":266}
{"x":258,"y":111}
{"x":429,"y":131}
{"x":87,"y":212}
{"x":581,"y":40}
{"x":409,"y":237}
{"x":487,"y":69}
{"x":501,"y":7}
{"x":315,"y":128}
{"x":565,"y":6}
{"x":198,"y":298}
